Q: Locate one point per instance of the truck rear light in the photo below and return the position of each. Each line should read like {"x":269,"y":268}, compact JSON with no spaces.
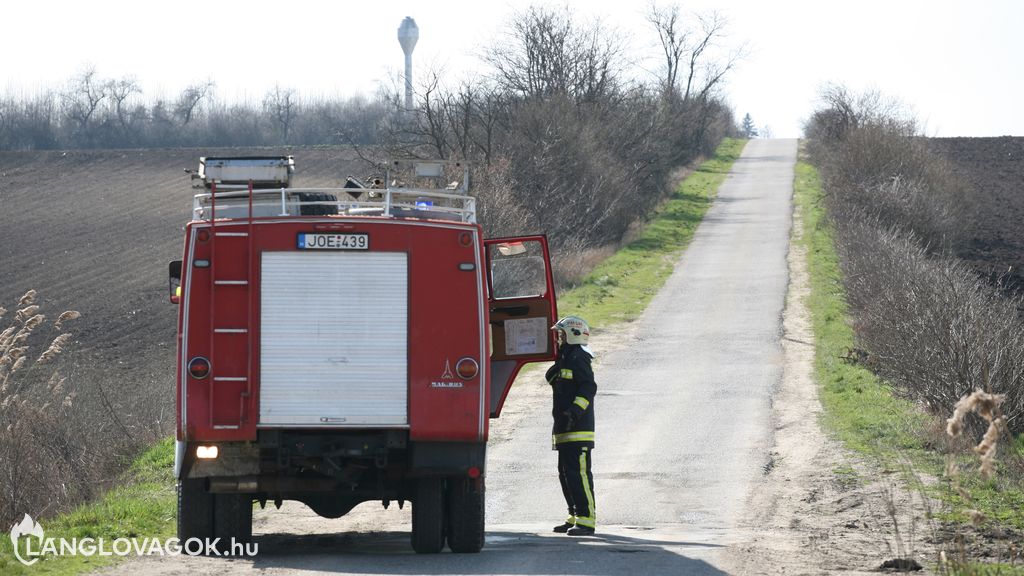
{"x":473,"y":472}
{"x":203,"y":235}
{"x":465,"y":239}
{"x":467,"y":368}
{"x":207,"y":452}
{"x":199,"y":367}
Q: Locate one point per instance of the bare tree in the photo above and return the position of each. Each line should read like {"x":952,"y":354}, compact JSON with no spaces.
{"x":674,"y":38}
{"x":282,"y":106}
{"x":81,"y":100}
{"x":120,"y":92}
{"x":704,"y":72}
{"x":690,"y":52}
{"x":191,"y":97}
{"x":431,"y":111}
{"x":548,"y":53}
{"x":487,"y":106}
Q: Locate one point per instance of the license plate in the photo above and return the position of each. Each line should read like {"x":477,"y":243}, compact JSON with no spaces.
{"x":334,"y":241}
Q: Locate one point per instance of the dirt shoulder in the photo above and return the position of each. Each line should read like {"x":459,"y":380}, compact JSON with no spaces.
{"x":819,"y":508}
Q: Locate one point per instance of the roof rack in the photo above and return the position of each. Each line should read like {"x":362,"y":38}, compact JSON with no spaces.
{"x":409,"y":189}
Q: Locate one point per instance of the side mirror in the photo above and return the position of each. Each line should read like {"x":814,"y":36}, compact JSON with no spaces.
{"x":174,"y":281}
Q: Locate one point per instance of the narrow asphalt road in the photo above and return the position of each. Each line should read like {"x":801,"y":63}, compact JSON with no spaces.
{"x":683,"y":426}
{"x":684,"y":401}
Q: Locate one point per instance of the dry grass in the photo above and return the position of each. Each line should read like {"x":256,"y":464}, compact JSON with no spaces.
{"x":985,"y":405}
{"x":571,"y":266}
{"x":47,"y":460}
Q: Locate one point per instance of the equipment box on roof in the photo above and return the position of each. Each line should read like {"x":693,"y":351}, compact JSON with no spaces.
{"x":264,"y":171}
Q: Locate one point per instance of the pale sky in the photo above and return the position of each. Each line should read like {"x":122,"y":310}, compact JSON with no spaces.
{"x":957,"y":64}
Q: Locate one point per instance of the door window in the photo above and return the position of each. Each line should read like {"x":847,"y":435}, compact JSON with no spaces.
{"x":518,"y":269}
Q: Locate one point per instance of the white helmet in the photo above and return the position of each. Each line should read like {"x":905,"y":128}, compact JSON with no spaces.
{"x":575,"y":329}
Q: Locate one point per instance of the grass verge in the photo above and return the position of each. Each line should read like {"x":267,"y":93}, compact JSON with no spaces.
{"x":859,"y":407}
{"x":863,"y":412}
{"x":143,"y":507}
{"x":617,"y":290}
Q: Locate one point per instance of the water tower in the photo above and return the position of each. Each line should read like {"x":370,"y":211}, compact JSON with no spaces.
{"x":408,"y":34}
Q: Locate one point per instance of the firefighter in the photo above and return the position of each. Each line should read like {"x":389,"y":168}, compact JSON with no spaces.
{"x":573,"y":389}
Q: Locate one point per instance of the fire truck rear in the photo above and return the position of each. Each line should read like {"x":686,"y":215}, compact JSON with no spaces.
{"x":338,"y":346}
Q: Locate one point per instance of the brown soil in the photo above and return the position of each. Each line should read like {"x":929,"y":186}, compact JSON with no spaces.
{"x":994,"y":168}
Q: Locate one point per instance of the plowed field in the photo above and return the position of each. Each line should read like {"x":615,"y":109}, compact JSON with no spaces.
{"x":995,"y":169}
{"x":93,"y":231}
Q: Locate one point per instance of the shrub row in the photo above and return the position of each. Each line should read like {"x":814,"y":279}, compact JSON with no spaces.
{"x":929,"y":325}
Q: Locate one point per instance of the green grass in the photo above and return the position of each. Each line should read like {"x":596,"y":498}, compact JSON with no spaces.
{"x":144,"y":506}
{"x":860,"y":409}
{"x":975,"y":569}
{"x":619,"y":288}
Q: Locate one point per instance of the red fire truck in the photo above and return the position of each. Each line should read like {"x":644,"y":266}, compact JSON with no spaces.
{"x":338,"y":346}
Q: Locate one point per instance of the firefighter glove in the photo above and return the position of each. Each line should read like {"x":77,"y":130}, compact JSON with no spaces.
{"x":570,"y":420}
{"x":572,"y":416}
{"x":552,"y":373}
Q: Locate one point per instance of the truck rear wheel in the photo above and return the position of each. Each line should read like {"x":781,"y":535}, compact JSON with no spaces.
{"x":195,"y":510}
{"x":465,"y":514}
{"x":232,"y":518}
{"x":428,"y":516}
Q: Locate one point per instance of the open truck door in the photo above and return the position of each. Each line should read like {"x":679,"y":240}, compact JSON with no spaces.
{"x":521,"y":300}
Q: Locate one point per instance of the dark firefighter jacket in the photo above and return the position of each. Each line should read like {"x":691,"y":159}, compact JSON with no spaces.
{"x":573,"y":389}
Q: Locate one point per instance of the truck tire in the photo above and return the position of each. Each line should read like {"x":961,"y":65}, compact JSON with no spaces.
{"x":428,"y":516}
{"x":317,"y":209}
{"x":232,"y":518}
{"x":465,"y":514}
{"x":195,"y":510}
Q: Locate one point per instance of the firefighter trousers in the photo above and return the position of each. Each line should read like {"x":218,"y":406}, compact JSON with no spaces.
{"x":574,"y":472}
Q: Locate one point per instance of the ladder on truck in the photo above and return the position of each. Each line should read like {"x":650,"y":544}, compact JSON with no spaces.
{"x":228,"y":288}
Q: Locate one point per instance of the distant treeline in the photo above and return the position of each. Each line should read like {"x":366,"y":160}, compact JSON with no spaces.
{"x":95,"y":112}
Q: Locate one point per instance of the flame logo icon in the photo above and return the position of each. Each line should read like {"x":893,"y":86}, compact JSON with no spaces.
{"x":27,"y":527}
